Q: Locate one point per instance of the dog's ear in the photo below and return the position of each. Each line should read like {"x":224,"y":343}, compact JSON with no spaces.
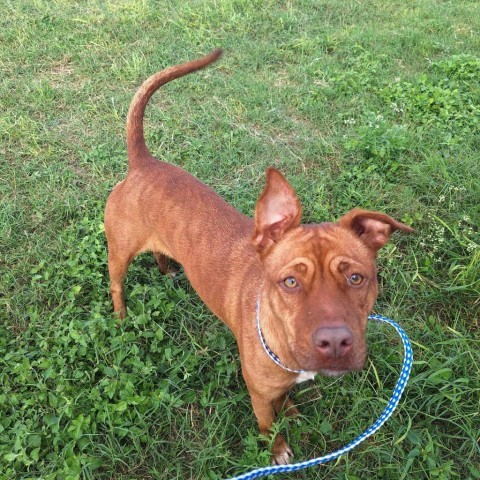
{"x":278,"y":210}
{"x":373,"y":228}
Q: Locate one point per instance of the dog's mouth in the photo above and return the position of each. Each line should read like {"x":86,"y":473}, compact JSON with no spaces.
{"x":332,"y":373}
{"x":334,"y":367}
{"x":336,"y":372}
{"x":311,"y":359}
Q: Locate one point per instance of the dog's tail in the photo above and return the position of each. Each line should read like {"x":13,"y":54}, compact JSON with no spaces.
{"x":136,"y":147}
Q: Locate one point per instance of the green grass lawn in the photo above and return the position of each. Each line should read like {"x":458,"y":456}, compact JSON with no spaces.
{"x":369,"y":103}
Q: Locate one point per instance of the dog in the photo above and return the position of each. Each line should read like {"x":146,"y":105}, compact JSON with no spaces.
{"x":295,"y":296}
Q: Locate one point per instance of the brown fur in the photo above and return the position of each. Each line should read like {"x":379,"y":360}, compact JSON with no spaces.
{"x":231,"y":259}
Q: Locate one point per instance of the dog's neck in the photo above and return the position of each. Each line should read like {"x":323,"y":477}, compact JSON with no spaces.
{"x":302,"y":375}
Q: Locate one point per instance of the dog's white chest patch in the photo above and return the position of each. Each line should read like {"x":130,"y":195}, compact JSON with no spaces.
{"x":304,"y":376}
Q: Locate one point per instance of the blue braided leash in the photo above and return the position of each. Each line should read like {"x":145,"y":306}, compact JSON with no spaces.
{"x":386,"y":414}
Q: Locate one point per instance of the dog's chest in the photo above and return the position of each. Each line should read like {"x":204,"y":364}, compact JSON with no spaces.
{"x":304,"y":376}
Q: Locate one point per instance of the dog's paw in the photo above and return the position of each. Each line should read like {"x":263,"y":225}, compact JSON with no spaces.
{"x":281,"y":452}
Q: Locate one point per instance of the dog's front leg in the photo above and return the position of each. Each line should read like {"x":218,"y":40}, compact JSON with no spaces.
{"x":265,"y":412}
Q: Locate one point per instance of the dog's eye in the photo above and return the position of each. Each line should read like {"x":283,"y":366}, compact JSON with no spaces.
{"x":355,"y":279}
{"x":290,"y":282}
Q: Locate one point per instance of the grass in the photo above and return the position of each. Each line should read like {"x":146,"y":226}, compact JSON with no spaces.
{"x":373,"y":104}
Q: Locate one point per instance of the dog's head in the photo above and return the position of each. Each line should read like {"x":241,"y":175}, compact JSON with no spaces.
{"x":321,"y":280}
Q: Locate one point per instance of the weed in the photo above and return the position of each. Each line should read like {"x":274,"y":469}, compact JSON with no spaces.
{"x":448,"y":102}
{"x":379,"y":143}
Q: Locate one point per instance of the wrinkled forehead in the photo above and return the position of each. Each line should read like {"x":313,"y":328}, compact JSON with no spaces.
{"x":320,"y":243}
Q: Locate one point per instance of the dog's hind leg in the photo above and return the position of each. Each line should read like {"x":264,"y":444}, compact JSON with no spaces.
{"x":163,"y":263}
{"x":117,"y":268}
{"x":285,"y":403}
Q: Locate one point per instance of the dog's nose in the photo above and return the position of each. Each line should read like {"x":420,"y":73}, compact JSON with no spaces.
{"x":333,"y":342}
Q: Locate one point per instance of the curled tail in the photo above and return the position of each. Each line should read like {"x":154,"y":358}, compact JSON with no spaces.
{"x":136,"y":146}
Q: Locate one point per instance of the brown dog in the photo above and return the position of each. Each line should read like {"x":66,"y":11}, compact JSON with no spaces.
{"x":315,"y":284}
